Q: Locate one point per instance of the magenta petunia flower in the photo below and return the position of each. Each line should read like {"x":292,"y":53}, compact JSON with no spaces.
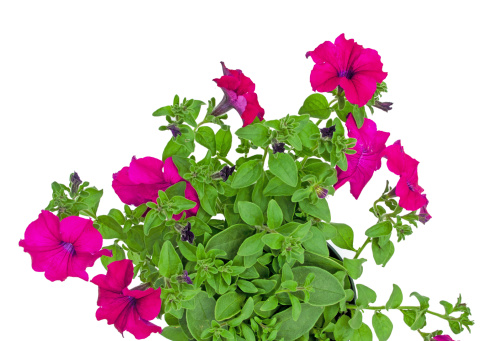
{"x":63,"y":248}
{"x":238,"y":94}
{"x":141,"y":181}
{"x":367,"y":159}
{"x":443,"y":338}
{"x":129,"y":310}
{"x":349,"y":65}
{"x":407,"y":188}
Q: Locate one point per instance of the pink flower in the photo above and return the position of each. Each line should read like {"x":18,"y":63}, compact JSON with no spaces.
{"x":144,"y":178}
{"x":63,"y":248}
{"x":443,"y":338}
{"x":238,"y":93}
{"x":407,"y":188}
{"x":348,"y":65}
{"x":126,"y":309}
{"x":423,"y":215}
{"x":367,"y":159}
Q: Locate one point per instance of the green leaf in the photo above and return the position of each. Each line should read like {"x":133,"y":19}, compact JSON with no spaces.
{"x":319,"y":210}
{"x":110,"y":223}
{"x":448,"y":307}
{"x":382,"y":326}
{"x":209,"y":199}
{"x":274,"y":215}
{"x":328,"y":289}
{"x":247,"y":174}
{"x":382,"y":254}
{"x":341,"y":235}
{"x":359,"y":114}
{"x":256,"y":133}
{"x":316,"y":244}
{"x":381,"y":229}
{"x":343,"y":331}
{"x":169,"y":261}
{"x":205,"y":136}
{"x":247,"y":286}
{"x":173,"y":148}
{"x":250,"y":213}
{"x":270,"y":304}
{"x":310,"y":130}
{"x":365,"y":296}
{"x":316,"y":105}
{"x":246,"y":312}
{"x":283,"y":166}
{"x":395,"y":299}
{"x":228,"y":305}
{"x":357,"y":320}
{"x":152,"y":220}
{"x":164,"y":111}
{"x":363,"y":334}
{"x":325,"y":263}
{"x":273,"y":240}
{"x":174,"y":334}
{"x":92,"y":201}
{"x":424,"y":301}
{"x":117,"y":252}
{"x":296,"y":307}
{"x":223,"y":142}
{"x":290,"y":329}
{"x":251,"y":245}
{"x":301,"y":194}
{"x":199,"y":318}
{"x":354,"y":267}
{"x":276,"y":187}
{"x":230,"y":239}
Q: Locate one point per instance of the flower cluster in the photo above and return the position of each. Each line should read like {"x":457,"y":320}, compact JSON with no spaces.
{"x":243,"y":250}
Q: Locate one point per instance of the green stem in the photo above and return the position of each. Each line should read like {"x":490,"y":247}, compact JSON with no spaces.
{"x":352,"y":306}
{"x":368,"y":240}
{"x":264,"y":155}
{"x":318,"y":122}
{"x":222,"y":158}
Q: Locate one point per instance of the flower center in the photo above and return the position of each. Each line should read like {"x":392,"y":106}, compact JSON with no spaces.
{"x":410,"y":186}
{"x":68,"y":247}
{"x":346,"y":73}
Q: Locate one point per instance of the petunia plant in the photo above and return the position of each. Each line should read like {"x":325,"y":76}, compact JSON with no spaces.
{"x":240,"y":244}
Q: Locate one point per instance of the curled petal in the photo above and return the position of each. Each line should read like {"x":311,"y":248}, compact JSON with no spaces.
{"x":146,"y":170}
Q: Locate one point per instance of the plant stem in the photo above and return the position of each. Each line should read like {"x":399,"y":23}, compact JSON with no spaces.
{"x":318,"y":122}
{"x":352,"y":306}
{"x":222,"y":158}
{"x":358,"y":252}
{"x":264,"y":155}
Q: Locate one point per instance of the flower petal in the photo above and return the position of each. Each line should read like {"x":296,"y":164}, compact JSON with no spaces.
{"x":131,"y":193}
{"x":43,"y":232}
{"x":140,"y":327}
{"x":117,"y":278}
{"x":148,"y":302}
{"x":358,"y":89}
{"x":146,"y":170}
{"x":324,"y":78}
{"x":253,"y":109}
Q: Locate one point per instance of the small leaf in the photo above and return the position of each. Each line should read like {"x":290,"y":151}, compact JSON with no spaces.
{"x":354,"y":267}
{"x":247,"y":174}
{"x":283,"y":166}
{"x":252,"y":245}
{"x":273,"y":240}
{"x":270,"y":304}
{"x":256,"y":133}
{"x":169,"y":261}
{"x":395,"y":299}
{"x":274,"y":215}
{"x":382,"y":326}
{"x":365,"y":296}
{"x":380,"y":229}
{"x":205,"y":136}
{"x":250,"y":213}
{"x":228,"y":305}
{"x":223,"y":142}
{"x":316,"y":105}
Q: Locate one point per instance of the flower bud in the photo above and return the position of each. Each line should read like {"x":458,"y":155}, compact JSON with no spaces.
{"x":224,"y":174}
{"x":75,"y":182}
{"x":327,"y":133}
{"x":174,"y":130}
{"x":385,"y":106}
{"x":185,"y":278}
{"x":186,"y":234}
{"x":321,"y":192}
{"x":278,"y":147}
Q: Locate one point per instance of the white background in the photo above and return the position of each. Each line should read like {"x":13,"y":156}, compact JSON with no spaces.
{"x":79,"y":81}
